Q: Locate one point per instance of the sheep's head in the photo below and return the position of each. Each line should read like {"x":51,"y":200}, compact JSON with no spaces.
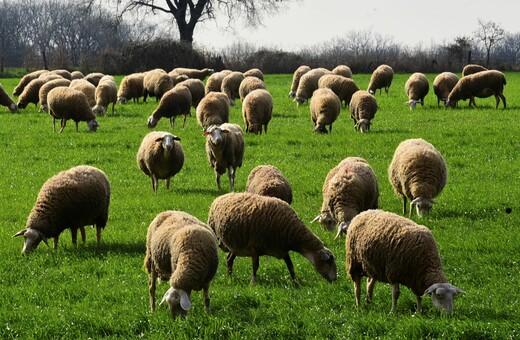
{"x":326,"y":221}
{"x":152,"y":122}
{"x":93,"y":125}
{"x":99,"y":110}
{"x":167,"y":142}
{"x":412,"y":103}
{"x":323,"y":261}
{"x":13,"y":107}
{"x":299,"y":100}
{"x":442,"y":295}
{"x":342,"y":228}
{"x":363,"y":125}
{"x":21,"y":105}
{"x":178,"y":301}
{"x":32,"y":238}
{"x":215,"y":135}
{"x":292,"y":94}
{"x":422,"y":205}
{"x":320,"y":129}
{"x":122,"y":100}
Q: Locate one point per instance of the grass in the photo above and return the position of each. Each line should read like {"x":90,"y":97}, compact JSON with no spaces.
{"x":96,"y":292}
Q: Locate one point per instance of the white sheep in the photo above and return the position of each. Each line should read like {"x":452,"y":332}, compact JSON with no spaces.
{"x":443,"y":84}
{"x":253,"y":225}
{"x":213,"y":109}
{"x":418,"y":172}
{"x":250,"y":84}
{"x":94,"y":78}
{"x":349,"y":188}
{"x":30,"y":93}
{"x":26,"y":79}
{"x":381,"y":78}
{"x":197,"y":90}
{"x":71,"y":200}
{"x":182,"y":249}
{"x":300,"y":71}
{"x":389,"y":248}
{"x":76,"y":75}
{"x":87,"y":88}
{"x":106,"y":94}
{"x":6,"y":101}
{"x":416,"y":88}
{"x":44,"y":91}
{"x":62,"y":73}
{"x":174,"y":102}
{"x":225,"y":146}
{"x":481,"y":84}
{"x":308,"y":84}
{"x":131,"y":87}
{"x":214,"y":82}
{"x":230,"y":86}
{"x":472,"y":68}
{"x":160,"y":156}
{"x":156,"y":83}
{"x":325,"y":107}
{"x":343,"y":87}
{"x":254,"y":72}
{"x":267,"y":180}
{"x":342,"y":70}
{"x":257,"y":110}
{"x":194,"y":73}
{"x":66,"y":103}
{"x":363,"y":108}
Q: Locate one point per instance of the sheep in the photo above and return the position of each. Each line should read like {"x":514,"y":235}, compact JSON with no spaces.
{"x":63,"y":73}
{"x":349,"y":188}
{"x":443,"y":84}
{"x":94,"y":78}
{"x":25,"y":80}
{"x":267,"y":180}
{"x":214,"y":82}
{"x":176,"y":77}
{"x":389,"y":248}
{"x":30,"y":93}
{"x":106,"y":94}
{"x":174,"y":102}
{"x":76,"y":75}
{"x":197,"y":90}
{"x":156,"y":84}
{"x":300,"y":71}
{"x":44,"y":90}
{"x":257,"y":110}
{"x":213,"y":109}
{"x":249,"y":84}
{"x":225,"y":148}
{"x":6,"y":101}
{"x":416,"y":88}
{"x":131,"y":87}
{"x":381,"y":78}
{"x":308,"y":84}
{"x":182,"y":249}
{"x":87,"y":88}
{"x":342,"y":70}
{"x":71,"y":199}
{"x":343,"y":87}
{"x":363,"y":108}
{"x":482,"y":84}
{"x":160,"y":156}
{"x":194,"y":73}
{"x":254,"y":72}
{"x":325,"y":108}
{"x":47,"y":77}
{"x":417,"y":172}
{"x":472,"y":68}
{"x":230,"y":86}
{"x":67,"y":103}
{"x":254,"y":225}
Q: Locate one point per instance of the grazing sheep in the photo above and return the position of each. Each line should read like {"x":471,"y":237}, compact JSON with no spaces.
{"x":66,"y":103}
{"x":257,"y":110}
{"x":343,"y":87}
{"x":76,"y":75}
{"x":156,"y":83}
{"x":106,"y":94}
{"x":249,"y":84}
{"x":472,"y":69}
{"x":308,"y":84}
{"x":71,"y":200}
{"x":87,"y":88}
{"x":342,"y":70}
{"x":30,"y":93}
{"x":44,"y":90}
{"x":213,"y":109}
{"x":363,"y":108}
{"x":325,"y":108}
{"x":26,"y":80}
{"x":417,"y":172}
{"x":252,"y":225}
{"x":182,"y":249}
{"x":416,"y":88}
{"x":47,"y":77}
{"x":225,"y":148}
{"x":214,"y":82}
{"x":230,"y":86}
{"x":194,"y":73}
{"x":63,"y":73}
{"x":176,"y":77}
{"x":254,"y":72}
{"x":267,"y":180}
{"x":197,"y":90}
{"x":482,"y":84}
{"x":381,"y":78}
{"x":349,"y":188}
{"x":389,"y":248}
{"x":160,"y":156}
{"x":131,"y":87}
{"x":6,"y":101}
{"x":94,"y":78}
{"x":300,"y":71}
{"x":443,"y":84}
{"x":174,"y":102}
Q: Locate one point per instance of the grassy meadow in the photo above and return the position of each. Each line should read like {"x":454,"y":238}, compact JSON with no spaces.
{"x":97,"y":292}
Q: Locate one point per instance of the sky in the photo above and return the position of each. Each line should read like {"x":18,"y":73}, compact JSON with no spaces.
{"x":411,"y":23}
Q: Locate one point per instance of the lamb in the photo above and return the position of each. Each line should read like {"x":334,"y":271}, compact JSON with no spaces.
{"x":257,"y":110}
{"x":26,"y":80}
{"x":325,"y":108}
{"x":71,"y":200}
{"x":194,"y":73}
{"x":214,"y":82}
{"x":254,"y":72}
{"x":160,"y":156}
{"x":267,"y":180}
{"x":249,"y":84}
{"x":472,"y":69}
{"x":381,"y":78}
{"x":253,"y":225}
{"x":174,"y":102}
{"x":230,"y":86}
{"x":363,"y":108}
{"x":225,"y":148}
{"x":6,"y":101}
{"x":67,"y":103}
{"x":94,"y":78}
{"x":30,"y":93}
{"x":76,"y":75}
{"x":106,"y":94}
{"x":389,"y":248}
{"x":443,"y":84}
{"x":87,"y":88}
{"x":156,"y":83}
{"x":197,"y":90}
{"x":308,"y":84}
{"x":213,"y":109}
{"x":300,"y":71}
{"x":349,"y":188}
{"x":342,"y":70}
{"x":416,"y":88}
{"x":417,"y":172}
{"x":343,"y":87}
{"x":44,"y":90}
{"x":482,"y":84}
{"x":131,"y":87}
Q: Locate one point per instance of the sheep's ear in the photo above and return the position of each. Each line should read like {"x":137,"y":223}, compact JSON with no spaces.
{"x":458,"y":290}
{"x":416,"y":200}
{"x":342,"y":228}
{"x":176,"y":138}
{"x":317,"y":218}
{"x":431,"y":289}
{"x":324,"y":255}
{"x":185,"y":300}
{"x":20,"y":233}
{"x":159,"y":139}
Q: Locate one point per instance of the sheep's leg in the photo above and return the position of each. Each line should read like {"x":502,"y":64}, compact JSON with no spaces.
{"x":290,"y":266}
{"x":371,"y":282}
{"x":168,"y":183}
{"x":98,"y":235}
{"x":153,"y":281}
{"x":357,"y":288}
{"x":62,"y":123}
{"x":54,"y":124}
{"x":229,"y":261}
{"x":83,"y":235}
{"x":395,"y":296}
{"x":113,"y":104}
{"x":412,"y":207}
{"x":256,"y":264}
{"x":206,"y":298}
{"x":56,"y":242}
{"x":265,"y":128}
{"x":330,"y":129}
{"x":419,"y":300}
{"x":404,"y":205}
{"x":218,"y":180}
{"x":74,"y":232}
{"x":503,"y":100}
{"x":184,"y":122}
{"x":231,"y":175}
{"x":172,"y":121}
{"x":155,"y":183}
{"x":77,"y":128}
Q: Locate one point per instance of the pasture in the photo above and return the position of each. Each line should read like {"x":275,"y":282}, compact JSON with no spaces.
{"x":96,"y":292}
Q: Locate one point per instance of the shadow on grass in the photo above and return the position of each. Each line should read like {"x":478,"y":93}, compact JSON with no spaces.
{"x":92,"y":250}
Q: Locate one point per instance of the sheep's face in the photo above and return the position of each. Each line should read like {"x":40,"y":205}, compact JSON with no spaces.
{"x":326,"y":221}
{"x":178,"y":301}
{"x":167,"y":142}
{"x":13,"y":107}
{"x":320,"y":129}
{"x":215,"y":134}
{"x":22,"y":105}
{"x":299,"y":100}
{"x":32,"y":238}
{"x":122,"y":100}
{"x":422,"y":205}
{"x":93,"y":125}
{"x":442,"y":296}
{"x":412,"y":103}
{"x":323,"y":261}
{"x":152,"y":122}
{"x":363,"y":125}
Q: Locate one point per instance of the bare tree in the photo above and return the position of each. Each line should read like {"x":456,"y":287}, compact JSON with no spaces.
{"x":490,"y":34}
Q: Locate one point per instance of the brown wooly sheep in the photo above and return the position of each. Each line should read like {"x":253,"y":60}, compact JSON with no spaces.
{"x":213,"y":109}
{"x":106,"y":94}
{"x":472,"y":68}
{"x":416,"y":88}
{"x":87,"y":88}
{"x":44,"y":90}
{"x":254,"y":72}
{"x":230,"y":86}
{"x":257,"y":110}
{"x":381,"y":78}
{"x":363,"y":108}
{"x":174,"y":102}
{"x":325,"y":108}
{"x":76,"y":75}
{"x":343,"y":87}
{"x":66,"y":103}
{"x":443,"y":84}
{"x":300,"y":71}
{"x":156,"y":83}
{"x":249,"y":84}
{"x":25,"y":80}
{"x":214,"y":82}
{"x":308,"y":84}
{"x":194,"y":73}
{"x":197,"y":90}
{"x":131,"y":87}
{"x":342,"y":70}
{"x":267,"y":180}
{"x":481,"y":84}
{"x":94,"y":78}
{"x":30,"y":93}
{"x":6,"y":101}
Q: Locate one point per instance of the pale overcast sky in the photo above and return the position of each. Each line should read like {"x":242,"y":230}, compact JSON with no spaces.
{"x":405,"y":21}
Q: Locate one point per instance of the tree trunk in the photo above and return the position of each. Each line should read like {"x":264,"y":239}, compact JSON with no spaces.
{"x":487,"y":57}
{"x":186,"y":32}
{"x":44,"y":57}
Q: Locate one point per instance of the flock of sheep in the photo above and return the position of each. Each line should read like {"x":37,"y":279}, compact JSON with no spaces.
{"x":184,"y":250}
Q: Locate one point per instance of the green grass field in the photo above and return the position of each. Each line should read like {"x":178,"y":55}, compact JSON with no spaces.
{"x":95,"y":292}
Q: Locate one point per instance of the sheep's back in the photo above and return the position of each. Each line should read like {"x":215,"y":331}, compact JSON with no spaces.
{"x":267,"y":180}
